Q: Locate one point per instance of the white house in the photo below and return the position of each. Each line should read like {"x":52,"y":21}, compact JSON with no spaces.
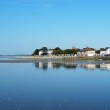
{"x":50,"y":52}
{"x":107,"y":51}
{"x":102,"y":51}
{"x":88,"y":51}
{"x":40,"y":52}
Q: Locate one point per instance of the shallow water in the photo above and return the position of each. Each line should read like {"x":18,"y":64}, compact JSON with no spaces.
{"x":54,"y":86}
{"x":2,"y":58}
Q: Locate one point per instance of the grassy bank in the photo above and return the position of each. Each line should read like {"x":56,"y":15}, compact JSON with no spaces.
{"x":87,"y":58}
{"x":66,"y":58}
{"x":25,"y":59}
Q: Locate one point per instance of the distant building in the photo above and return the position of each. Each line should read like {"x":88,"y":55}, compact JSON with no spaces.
{"x":74,"y":48}
{"x":88,"y":51}
{"x":40,"y":52}
{"x":102,"y":51}
{"x":48,"y":52}
{"x":105,"y":51}
{"x":79,"y":52}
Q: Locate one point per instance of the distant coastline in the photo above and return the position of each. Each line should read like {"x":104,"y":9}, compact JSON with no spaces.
{"x":25,"y":59}
{"x":67,"y":57}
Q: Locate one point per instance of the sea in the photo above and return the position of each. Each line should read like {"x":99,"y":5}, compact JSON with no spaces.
{"x":54,"y":85}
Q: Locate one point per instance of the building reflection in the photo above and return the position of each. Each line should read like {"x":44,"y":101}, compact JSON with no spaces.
{"x":44,"y":65}
{"x":89,"y":66}
{"x":105,"y":66}
{"x":58,"y":65}
{"x":47,"y":65}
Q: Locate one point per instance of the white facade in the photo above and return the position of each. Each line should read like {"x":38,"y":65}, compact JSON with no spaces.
{"x":90,"y":53}
{"x":102,"y":53}
{"x":108,"y":51}
{"x":40,"y":53}
{"x":50,"y":52}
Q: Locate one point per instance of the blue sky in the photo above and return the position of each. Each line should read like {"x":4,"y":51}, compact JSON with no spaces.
{"x":29,"y":24}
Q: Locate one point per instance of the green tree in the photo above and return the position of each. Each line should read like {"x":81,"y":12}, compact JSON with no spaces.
{"x":97,"y":51}
{"x":44,"y":48}
{"x":74,"y":52}
{"x":70,"y":51}
{"x":57,"y":51}
{"x":36,"y":52}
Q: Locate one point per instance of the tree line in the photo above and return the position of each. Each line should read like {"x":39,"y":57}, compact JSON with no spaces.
{"x":56,"y":51}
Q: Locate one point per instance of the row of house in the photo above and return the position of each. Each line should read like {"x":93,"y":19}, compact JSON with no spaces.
{"x":82,"y":52}
{"x":92,"y":52}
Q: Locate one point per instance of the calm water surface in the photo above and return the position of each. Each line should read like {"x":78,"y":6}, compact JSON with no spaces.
{"x":51,"y":86}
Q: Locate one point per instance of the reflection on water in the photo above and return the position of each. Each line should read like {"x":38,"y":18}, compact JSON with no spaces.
{"x":105,"y":66}
{"x":89,"y":66}
{"x":22,"y":87}
{"x":46,"y":65}
{"x":67,"y":65}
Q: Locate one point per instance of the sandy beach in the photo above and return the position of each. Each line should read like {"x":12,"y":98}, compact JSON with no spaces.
{"x":40,"y":57}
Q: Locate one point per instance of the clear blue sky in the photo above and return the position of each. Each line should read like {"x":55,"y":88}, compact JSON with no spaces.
{"x":29,"y":24}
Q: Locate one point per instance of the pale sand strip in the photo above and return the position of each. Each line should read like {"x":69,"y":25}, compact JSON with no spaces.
{"x":40,"y":57}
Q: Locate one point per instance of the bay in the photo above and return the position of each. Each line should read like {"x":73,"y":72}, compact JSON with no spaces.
{"x":54,"y":86}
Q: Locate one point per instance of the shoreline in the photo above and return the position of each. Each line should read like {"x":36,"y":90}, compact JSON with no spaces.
{"x":73,"y":58}
{"x":68,"y":59}
{"x":40,"y":57}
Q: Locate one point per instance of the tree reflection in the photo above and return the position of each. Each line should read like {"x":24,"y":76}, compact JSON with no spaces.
{"x":69,"y":65}
{"x":56,"y":65}
{"x":36,"y":65}
{"x":47,"y":65}
{"x":41,"y":65}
